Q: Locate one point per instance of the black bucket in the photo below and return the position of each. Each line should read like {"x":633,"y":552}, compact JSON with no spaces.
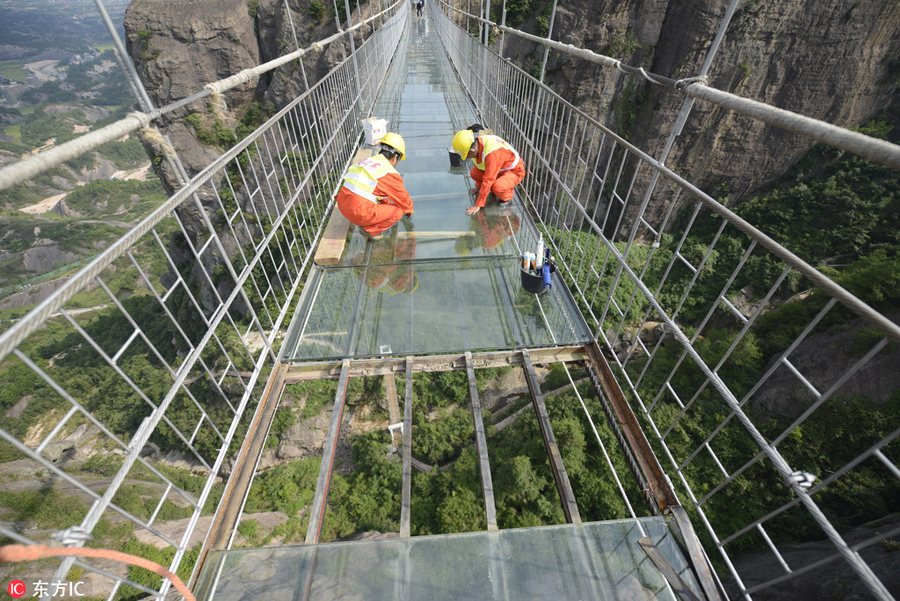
{"x":532,"y":282}
{"x":455,"y":159}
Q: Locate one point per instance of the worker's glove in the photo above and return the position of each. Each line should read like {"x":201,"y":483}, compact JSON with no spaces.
{"x":408,"y":223}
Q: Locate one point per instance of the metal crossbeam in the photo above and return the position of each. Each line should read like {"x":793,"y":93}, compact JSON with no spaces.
{"x":317,"y":511}
{"x":560,"y":476}
{"x":484,"y":462}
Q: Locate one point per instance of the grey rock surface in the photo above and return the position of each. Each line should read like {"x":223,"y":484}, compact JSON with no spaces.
{"x":828,"y":59}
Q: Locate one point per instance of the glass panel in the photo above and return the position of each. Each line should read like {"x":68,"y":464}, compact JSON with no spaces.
{"x":441,"y":281}
{"x":593,"y":561}
{"x":429,"y":308}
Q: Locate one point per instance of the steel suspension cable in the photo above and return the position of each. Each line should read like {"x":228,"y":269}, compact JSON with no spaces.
{"x":872,"y":149}
{"x":22,"y":171}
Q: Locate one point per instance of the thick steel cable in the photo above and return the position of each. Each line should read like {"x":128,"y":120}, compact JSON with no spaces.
{"x":872,"y":149}
{"x":22,"y":171}
{"x":12,"y":337}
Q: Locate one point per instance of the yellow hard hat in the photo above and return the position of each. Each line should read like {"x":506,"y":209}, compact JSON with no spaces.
{"x":462,"y":142}
{"x":396,"y":142}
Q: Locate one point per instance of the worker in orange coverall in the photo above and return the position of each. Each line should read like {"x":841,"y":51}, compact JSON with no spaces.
{"x":498,"y":168}
{"x":373,"y":195}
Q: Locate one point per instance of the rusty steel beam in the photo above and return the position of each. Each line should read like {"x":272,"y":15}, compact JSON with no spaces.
{"x":317,"y":512}
{"x":237,"y":488}
{"x":380,"y":366}
{"x":406,"y":493}
{"x":623,"y":420}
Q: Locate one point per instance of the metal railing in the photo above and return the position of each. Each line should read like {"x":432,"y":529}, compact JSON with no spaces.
{"x":155,"y":352}
{"x":707,"y":320}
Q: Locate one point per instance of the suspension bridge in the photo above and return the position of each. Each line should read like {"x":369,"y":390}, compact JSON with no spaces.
{"x":245,"y":282}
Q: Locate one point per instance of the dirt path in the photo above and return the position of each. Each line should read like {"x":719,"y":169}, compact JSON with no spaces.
{"x":44,"y":206}
{"x":139,"y":174}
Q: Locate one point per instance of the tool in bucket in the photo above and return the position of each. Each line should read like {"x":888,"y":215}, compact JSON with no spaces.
{"x":536,"y":270}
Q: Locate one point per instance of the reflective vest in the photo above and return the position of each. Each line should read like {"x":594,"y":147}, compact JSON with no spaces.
{"x":362,"y":178}
{"x":489,"y":144}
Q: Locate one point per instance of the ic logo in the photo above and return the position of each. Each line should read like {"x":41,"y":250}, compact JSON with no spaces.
{"x":16,"y":589}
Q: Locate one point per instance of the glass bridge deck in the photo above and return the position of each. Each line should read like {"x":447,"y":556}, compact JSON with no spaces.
{"x":594,"y":561}
{"x":445,"y":282}
{"x":450,"y":284}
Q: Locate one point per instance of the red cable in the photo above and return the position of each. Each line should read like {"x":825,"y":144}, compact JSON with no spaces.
{"x":18,"y":553}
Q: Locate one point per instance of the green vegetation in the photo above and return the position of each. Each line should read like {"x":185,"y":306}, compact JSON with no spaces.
{"x":127,"y":154}
{"x":13,"y":70}
{"x":14,"y":132}
{"x":622,"y":45}
{"x":449,"y":499}
{"x":116,"y":199}
{"x":147,"y":578}
{"x":516,"y":11}
{"x":839,"y":213}
{"x":212,"y":132}
{"x":316,"y":11}
{"x":43,"y":126}
{"x":542,"y":21}
{"x":46,"y":508}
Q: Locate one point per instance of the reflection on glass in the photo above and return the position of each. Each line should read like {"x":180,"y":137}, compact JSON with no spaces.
{"x":384,"y":272}
{"x":490,"y":231}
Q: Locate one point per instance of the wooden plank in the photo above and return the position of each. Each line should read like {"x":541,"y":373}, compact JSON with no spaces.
{"x":570,"y":507}
{"x":697,"y":555}
{"x":334,"y":238}
{"x":319,"y":370}
{"x":681,"y":590}
{"x":481,"y":446}
{"x":317,"y":513}
{"x":406,"y":492}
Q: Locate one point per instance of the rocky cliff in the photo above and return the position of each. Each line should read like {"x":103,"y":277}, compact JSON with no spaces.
{"x":834,"y":60}
{"x":179,"y":47}
{"x":830,"y":59}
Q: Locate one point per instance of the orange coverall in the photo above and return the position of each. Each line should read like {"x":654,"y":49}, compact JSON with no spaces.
{"x":375,"y":218}
{"x":491,"y":180}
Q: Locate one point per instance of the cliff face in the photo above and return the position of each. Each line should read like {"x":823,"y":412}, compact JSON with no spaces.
{"x":828,"y":59}
{"x":179,"y":47}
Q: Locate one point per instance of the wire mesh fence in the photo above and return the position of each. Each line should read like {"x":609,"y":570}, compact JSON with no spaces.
{"x":130,"y":386}
{"x":744,"y":363}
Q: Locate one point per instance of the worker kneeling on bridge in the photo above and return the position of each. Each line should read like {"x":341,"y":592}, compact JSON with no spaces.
{"x":498,"y":168}
{"x":373,"y":195}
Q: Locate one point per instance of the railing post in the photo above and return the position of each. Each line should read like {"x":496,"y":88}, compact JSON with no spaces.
{"x":549,"y":36}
